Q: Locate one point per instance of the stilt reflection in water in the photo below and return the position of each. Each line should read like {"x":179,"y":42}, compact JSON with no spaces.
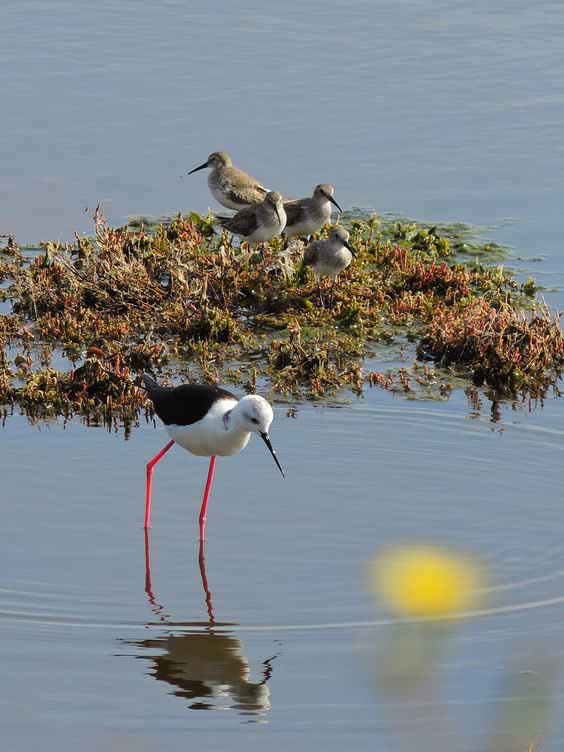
{"x":208,"y":667}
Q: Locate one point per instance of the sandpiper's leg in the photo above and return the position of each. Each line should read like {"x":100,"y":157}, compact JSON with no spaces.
{"x":319,"y":293}
{"x":209,"y":604}
{"x":204,"y":509}
{"x":331,"y":292}
{"x":150,"y":468}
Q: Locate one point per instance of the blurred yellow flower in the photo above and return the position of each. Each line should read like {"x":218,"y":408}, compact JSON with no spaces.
{"x":423,"y":581}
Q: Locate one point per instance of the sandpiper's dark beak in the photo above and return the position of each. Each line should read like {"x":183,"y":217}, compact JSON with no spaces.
{"x":266,"y":439}
{"x":349,"y":246}
{"x":201,"y":167}
{"x":332,"y":200}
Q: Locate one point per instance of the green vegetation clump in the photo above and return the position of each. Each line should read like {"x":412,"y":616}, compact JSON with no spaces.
{"x":506,"y":349}
{"x":175,"y":298}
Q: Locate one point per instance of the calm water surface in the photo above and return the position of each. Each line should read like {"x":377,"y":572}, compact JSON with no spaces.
{"x":89,"y":657}
{"x":438,"y":110}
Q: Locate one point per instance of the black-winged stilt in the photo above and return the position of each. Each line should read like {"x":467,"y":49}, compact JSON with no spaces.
{"x":206,"y":421}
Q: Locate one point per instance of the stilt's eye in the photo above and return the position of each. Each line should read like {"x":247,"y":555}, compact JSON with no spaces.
{"x":254,"y":420}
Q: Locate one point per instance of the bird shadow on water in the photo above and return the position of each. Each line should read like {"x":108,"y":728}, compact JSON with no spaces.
{"x":206,"y":666}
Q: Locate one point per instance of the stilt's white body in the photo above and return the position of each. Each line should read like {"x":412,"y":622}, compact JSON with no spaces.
{"x":212,"y":435}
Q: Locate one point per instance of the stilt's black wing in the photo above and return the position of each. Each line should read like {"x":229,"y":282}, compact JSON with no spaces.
{"x":185,"y":404}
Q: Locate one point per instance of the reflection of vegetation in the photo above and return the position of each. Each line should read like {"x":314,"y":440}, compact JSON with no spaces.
{"x":144,"y":296}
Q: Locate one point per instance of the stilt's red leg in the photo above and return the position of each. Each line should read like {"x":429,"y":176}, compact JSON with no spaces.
{"x":204,"y":509}
{"x":150,"y":468}
{"x":209,"y":604}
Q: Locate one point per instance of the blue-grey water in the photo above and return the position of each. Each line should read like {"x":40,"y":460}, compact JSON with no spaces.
{"x":436,"y":110}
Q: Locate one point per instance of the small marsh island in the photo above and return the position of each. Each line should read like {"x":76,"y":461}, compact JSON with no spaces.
{"x":82,"y":320}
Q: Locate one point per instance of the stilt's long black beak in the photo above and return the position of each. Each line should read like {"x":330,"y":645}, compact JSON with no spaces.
{"x":332,"y":200}
{"x":266,"y":439}
{"x":349,"y":246}
{"x":201,"y":167}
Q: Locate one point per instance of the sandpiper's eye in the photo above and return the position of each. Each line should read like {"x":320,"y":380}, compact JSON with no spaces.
{"x":254,"y":420}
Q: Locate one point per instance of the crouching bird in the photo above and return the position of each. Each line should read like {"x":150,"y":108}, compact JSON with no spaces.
{"x":329,"y":257}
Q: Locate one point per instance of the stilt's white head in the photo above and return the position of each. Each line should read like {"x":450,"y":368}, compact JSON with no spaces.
{"x":254,"y":414}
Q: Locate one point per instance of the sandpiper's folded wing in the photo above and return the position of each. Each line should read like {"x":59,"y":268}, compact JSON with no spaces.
{"x":241,"y":188}
{"x":311,"y":254}
{"x":296,"y":213}
{"x":244,"y":223}
{"x":185,"y":404}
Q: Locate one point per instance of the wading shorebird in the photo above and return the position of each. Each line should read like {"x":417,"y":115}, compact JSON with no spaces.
{"x":230,"y":186}
{"x":209,"y":422}
{"x":307,"y":215}
{"x":260,"y":223}
{"x":329,"y":257}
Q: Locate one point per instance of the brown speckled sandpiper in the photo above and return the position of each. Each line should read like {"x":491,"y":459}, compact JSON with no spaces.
{"x":307,"y":215}
{"x":329,"y":257}
{"x":230,"y":186}
{"x":260,"y":223}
